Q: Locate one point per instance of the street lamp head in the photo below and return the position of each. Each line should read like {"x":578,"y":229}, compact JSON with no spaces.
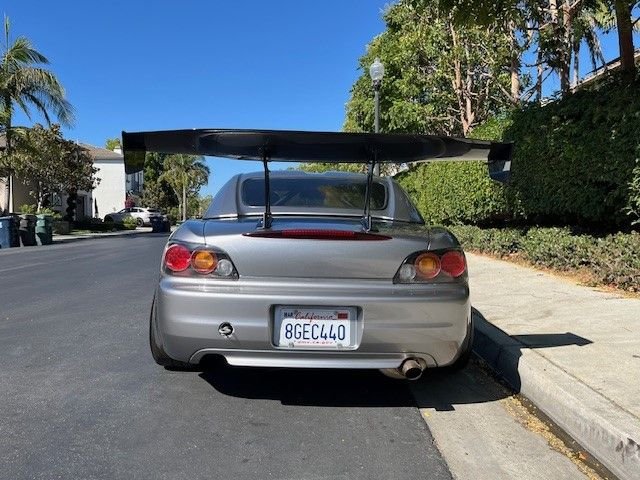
{"x":376,"y":70}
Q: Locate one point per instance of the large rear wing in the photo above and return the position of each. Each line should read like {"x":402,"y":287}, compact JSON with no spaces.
{"x":327,"y":147}
{"x":324,"y":147}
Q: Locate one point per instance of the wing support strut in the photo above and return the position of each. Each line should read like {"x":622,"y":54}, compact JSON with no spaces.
{"x":266,"y":216}
{"x":366,"y":215}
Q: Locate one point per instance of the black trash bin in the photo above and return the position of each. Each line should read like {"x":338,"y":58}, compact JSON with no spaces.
{"x":156,"y":224}
{"x":44,"y":229}
{"x":28,"y":230}
{"x":9,"y":232}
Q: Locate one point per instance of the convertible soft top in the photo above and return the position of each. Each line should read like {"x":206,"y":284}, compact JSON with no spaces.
{"x":328,"y":147}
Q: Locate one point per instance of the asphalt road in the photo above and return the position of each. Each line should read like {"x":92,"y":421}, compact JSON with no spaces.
{"x":80,"y":396}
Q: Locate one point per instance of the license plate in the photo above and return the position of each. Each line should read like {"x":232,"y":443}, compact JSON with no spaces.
{"x":314,"y":327}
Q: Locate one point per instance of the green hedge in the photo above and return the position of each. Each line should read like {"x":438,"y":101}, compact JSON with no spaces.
{"x":450,"y":193}
{"x":96,"y":225}
{"x":576,"y":161}
{"x":612,"y":260}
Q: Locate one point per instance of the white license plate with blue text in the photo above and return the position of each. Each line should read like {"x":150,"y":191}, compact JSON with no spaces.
{"x":315,"y":327}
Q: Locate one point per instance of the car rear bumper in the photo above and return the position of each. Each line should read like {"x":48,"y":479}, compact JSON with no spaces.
{"x":394,"y":322}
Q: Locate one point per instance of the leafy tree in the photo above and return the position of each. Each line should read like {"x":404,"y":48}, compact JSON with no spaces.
{"x":440,"y":77}
{"x":25,"y":84}
{"x":156,"y":191}
{"x":198,"y":204}
{"x":112,"y":143}
{"x":185,"y":174}
{"x":203,"y":204}
{"x":52,"y":164}
{"x":555,"y":29}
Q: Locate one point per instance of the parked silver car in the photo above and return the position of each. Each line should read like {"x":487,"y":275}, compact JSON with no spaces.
{"x":141,"y":215}
{"x":332,"y":270}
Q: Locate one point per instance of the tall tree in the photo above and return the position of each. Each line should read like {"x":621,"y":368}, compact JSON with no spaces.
{"x":625,"y":24}
{"x":156,"y":192}
{"x":441,"y":77}
{"x":585,"y":27}
{"x":557,"y":29}
{"x":186,"y":174}
{"x":25,"y":84}
{"x":52,"y":164}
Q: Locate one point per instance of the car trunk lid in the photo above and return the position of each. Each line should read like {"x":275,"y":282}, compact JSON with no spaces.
{"x":314,"y":247}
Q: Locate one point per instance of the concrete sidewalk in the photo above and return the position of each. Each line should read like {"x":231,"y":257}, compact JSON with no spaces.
{"x":572,"y":350}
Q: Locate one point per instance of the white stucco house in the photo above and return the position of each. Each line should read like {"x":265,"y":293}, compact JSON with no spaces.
{"x":108,"y":196}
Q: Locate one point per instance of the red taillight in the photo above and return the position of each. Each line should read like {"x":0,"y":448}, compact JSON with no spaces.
{"x":453,"y":263}
{"x":177,"y":258}
{"x":317,"y":234}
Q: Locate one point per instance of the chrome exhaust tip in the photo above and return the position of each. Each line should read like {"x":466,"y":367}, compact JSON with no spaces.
{"x":411,"y":369}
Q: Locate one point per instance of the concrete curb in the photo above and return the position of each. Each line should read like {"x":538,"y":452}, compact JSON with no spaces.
{"x":62,"y":239}
{"x":608,"y":432}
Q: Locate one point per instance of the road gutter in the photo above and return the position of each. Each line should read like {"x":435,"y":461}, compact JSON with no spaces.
{"x":583,"y":413}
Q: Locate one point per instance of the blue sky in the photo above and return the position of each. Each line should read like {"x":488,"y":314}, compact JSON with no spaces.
{"x":141,"y":65}
{"x":197,"y":64}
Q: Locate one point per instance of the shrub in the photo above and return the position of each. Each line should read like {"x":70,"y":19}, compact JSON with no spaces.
{"x":27,"y":209}
{"x":499,"y":242}
{"x":611,"y":260}
{"x":556,"y":248}
{"x":633,"y":209}
{"x":129,"y":223}
{"x":172,"y":214}
{"x":97,"y":225}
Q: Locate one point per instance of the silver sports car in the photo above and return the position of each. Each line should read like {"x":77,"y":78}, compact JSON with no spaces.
{"x":331,"y":270}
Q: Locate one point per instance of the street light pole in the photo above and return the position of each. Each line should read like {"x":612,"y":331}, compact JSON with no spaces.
{"x":376,"y":71}
{"x":376,"y":94}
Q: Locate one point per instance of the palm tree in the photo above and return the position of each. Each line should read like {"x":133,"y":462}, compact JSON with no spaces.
{"x":185,"y":174}
{"x":25,"y":84}
{"x":625,"y":26}
{"x":586,"y":24}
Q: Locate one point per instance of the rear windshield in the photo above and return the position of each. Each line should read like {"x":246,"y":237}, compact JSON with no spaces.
{"x":314,"y":192}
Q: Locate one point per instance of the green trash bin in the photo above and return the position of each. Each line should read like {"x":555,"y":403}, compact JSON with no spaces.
{"x":44,"y":229}
{"x":9,"y":232}
{"x":28,"y":230}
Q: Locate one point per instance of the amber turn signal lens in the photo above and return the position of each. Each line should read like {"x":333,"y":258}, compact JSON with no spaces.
{"x":427,"y":265}
{"x":204,"y":261}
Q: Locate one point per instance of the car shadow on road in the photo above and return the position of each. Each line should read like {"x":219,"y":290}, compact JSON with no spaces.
{"x":309,"y":387}
{"x":352,"y":388}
